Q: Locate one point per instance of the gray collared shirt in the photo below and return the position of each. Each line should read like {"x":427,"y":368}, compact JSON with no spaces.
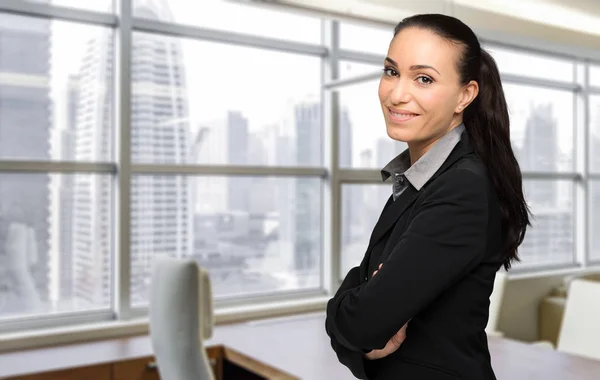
{"x":421,"y":171}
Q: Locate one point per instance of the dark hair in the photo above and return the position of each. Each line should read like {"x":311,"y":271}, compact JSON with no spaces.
{"x":487,"y":124}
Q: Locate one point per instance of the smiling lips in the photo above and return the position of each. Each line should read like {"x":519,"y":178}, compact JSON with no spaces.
{"x":401,"y":116}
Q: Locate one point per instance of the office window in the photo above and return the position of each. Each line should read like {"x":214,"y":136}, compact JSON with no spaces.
{"x":594,"y":221}
{"x":239,"y":18}
{"x":365,"y":38}
{"x":55,"y":243}
{"x":541,"y":126}
{"x":531,"y":65}
{"x":243,"y":106}
{"x":255,"y":235}
{"x":550,"y":238}
{"x":595,"y":133}
{"x":364,"y":142}
{"x":88,"y":5}
{"x":361,"y":206}
{"x":56,"y":96}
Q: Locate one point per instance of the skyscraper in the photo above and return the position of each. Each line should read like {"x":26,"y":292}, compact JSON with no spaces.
{"x":551,"y":237}
{"x":63,"y":195}
{"x":25,"y":124}
{"x":540,"y":153}
{"x":223,"y":141}
{"x":307,"y":213}
{"x":349,"y":197}
{"x":161,"y":207}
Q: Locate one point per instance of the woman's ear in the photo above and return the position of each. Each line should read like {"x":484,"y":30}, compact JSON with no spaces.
{"x":468,"y":94}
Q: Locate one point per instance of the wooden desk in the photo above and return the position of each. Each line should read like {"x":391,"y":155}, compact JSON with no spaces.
{"x":272,"y":341}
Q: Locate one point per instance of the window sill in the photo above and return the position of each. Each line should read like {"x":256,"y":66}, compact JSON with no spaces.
{"x":115,"y":329}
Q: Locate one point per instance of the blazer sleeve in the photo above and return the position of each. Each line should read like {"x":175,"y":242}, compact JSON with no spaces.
{"x":446,"y":237}
{"x":351,"y":358}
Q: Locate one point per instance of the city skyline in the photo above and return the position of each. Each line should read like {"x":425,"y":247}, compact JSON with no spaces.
{"x":254,"y":234}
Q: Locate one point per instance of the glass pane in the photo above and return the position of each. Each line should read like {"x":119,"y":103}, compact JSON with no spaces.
{"x":190,"y":109}
{"x":517,"y":62}
{"x":55,"y":243}
{"x":55,"y":90}
{"x":550,"y":239}
{"x":364,"y":142}
{"x":595,"y":221}
{"x":255,"y":235}
{"x":541,"y":126}
{"x":595,"y":133}
{"x":363,"y":38}
{"x":88,"y":5}
{"x":361,"y":207}
{"x":595,"y":75}
{"x":232,"y":17}
{"x":353,"y":69}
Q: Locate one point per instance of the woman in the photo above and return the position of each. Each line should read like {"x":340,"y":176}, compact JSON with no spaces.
{"x":418,"y":304}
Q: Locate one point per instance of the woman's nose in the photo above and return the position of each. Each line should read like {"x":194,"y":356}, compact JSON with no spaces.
{"x":401,"y":92}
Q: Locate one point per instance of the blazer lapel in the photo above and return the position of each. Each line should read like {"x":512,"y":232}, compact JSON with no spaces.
{"x":394,"y":210}
{"x":391,"y":213}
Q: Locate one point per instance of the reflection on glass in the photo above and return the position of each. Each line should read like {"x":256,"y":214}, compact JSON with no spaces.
{"x":550,"y":238}
{"x":236,"y":17}
{"x":56,"y":98}
{"x":364,"y":142}
{"x":55,"y":243}
{"x":541,"y":126}
{"x":189,"y":109}
{"x":255,"y":235}
{"x":361,"y":207}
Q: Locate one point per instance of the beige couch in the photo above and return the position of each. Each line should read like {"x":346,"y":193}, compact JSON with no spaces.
{"x":551,"y":308}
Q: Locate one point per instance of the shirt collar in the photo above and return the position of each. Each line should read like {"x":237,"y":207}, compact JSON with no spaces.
{"x":421,"y":171}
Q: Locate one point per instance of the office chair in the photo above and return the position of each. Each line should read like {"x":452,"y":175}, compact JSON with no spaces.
{"x":181,"y":318}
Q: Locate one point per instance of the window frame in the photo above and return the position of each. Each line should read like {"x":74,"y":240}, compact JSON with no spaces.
{"x":332,"y":176}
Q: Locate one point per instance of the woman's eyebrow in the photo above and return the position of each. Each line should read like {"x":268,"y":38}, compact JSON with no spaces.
{"x":413,"y":67}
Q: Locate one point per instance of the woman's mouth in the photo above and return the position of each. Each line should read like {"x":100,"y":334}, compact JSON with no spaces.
{"x":401,"y":115}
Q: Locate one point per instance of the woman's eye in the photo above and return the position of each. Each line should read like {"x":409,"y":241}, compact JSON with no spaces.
{"x":424,"y":80}
{"x":390,"y":72}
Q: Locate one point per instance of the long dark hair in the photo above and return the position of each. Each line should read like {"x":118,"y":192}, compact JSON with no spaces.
{"x":487,"y":124}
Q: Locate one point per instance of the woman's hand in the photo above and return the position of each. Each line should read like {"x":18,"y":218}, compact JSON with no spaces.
{"x":393,"y":344}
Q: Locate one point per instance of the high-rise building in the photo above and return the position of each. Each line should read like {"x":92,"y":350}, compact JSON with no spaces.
{"x":595,"y":187}
{"x":223,"y":141}
{"x":551,"y":235}
{"x":350,"y":196}
{"x":540,"y":153}
{"x":306,"y":206}
{"x":25,"y":124}
{"x":161,"y":207}
{"x":63,"y":196}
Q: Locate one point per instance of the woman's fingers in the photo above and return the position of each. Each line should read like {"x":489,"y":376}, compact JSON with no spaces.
{"x":378,"y":268}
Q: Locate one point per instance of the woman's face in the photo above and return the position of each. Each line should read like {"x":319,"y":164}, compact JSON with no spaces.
{"x":420,"y":91}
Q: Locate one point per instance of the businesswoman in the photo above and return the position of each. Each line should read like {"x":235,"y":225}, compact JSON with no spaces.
{"x":417,"y":305}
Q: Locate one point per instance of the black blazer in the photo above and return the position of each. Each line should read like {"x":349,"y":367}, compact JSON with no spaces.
{"x":440,"y":249}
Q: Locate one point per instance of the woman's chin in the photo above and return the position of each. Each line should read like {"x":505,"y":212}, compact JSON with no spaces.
{"x":397,"y":135}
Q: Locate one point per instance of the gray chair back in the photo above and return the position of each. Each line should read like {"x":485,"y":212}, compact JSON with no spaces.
{"x":181,"y":318}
